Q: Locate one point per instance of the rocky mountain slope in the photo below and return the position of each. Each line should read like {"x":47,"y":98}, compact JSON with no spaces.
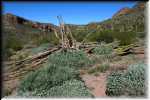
{"x":126,"y":21}
{"x":11,"y":20}
{"x":19,"y":33}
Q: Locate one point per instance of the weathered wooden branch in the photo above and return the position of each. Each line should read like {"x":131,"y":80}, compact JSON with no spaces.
{"x":28,"y":64}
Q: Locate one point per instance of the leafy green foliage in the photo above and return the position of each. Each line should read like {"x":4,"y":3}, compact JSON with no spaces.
{"x":125,"y":38}
{"x":56,"y":76}
{"x":47,"y":77}
{"x":104,"y":67}
{"x":135,"y":80}
{"x":115,"y":85}
{"x":42,"y":38}
{"x":103,"y":49}
{"x":79,"y":35}
{"x":131,"y":82}
{"x":14,"y":43}
{"x":141,"y":34}
{"x":15,"y":40}
{"x":75,"y":59}
{"x":70,"y":88}
{"x":105,"y":36}
{"x":42,"y":47}
{"x":11,"y":43}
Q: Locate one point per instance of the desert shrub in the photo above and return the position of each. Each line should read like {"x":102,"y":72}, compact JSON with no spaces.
{"x":100,"y":36}
{"x":14,"y":43}
{"x":80,"y":35}
{"x":141,"y":34}
{"x":129,"y":83}
{"x":70,"y":88}
{"x":11,"y":44}
{"x":60,"y":67}
{"x":101,"y":68}
{"x":26,"y":83}
{"x":47,"y":77}
{"x":115,"y":85}
{"x":104,"y":67}
{"x":135,"y":80}
{"x":125,"y":38}
{"x":42,"y":47}
{"x":103,"y":49}
{"x":75,"y":59}
{"x":105,"y":36}
{"x":42,"y":38}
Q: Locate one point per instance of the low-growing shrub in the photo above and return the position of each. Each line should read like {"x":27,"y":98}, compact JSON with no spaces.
{"x":70,"y":88}
{"x":75,"y":59}
{"x":42,"y":47}
{"x":115,"y":85}
{"x":129,"y":83}
{"x":125,"y":38}
{"x":103,"y":49}
{"x":104,"y":67}
{"x":47,"y":77}
{"x":101,"y":68}
{"x":135,"y":80}
{"x":49,"y":80}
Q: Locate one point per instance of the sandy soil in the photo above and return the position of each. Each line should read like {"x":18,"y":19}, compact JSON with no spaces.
{"x":96,"y":83}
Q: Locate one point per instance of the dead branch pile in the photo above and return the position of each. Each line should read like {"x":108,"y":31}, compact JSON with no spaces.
{"x":26,"y":65}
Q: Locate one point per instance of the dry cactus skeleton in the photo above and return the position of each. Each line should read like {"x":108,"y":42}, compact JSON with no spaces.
{"x":65,"y":36}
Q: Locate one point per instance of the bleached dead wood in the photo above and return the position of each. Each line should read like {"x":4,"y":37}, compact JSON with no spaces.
{"x":37,"y":56}
{"x":28,"y":64}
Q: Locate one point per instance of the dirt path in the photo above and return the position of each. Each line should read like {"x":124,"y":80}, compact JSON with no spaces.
{"x":97,"y":84}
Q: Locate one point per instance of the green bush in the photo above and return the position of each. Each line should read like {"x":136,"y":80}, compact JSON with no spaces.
{"x":42,"y":47}
{"x":80,"y":35}
{"x":100,"y":36}
{"x":75,"y":59}
{"x":125,"y":38}
{"x":14,"y":43}
{"x":115,"y":84}
{"x":129,"y":83}
{"x":104,"y":67}
{"x":141,"y":34}
{"x":11,"y":44}
{"x":103,"y":49}
{"x":135,"y":80}
{"x":70,"y":88}
{"x":60,"y":67}
{"x":47,"y":77}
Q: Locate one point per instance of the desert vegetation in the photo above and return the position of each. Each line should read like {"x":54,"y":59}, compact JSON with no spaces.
{"x":103,"y":59}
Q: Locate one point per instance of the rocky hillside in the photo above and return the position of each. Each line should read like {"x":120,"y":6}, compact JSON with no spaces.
{"x":124,"y":21}
{"x":125,"y":11}
{"x":11,"y":20}
{"x":19,"y":33}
